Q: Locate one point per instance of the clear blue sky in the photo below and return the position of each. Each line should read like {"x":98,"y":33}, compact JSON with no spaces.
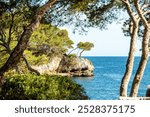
{"x":110,"y":42}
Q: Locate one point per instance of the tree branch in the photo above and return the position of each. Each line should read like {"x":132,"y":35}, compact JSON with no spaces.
{"x":29,"y":66}
{"x":102,"y":9}
{"x":129,"y":10}
{"x":146,"y":12}
{"x":145,"y":6}
{"x":140,"y":12}
{"x":17,"y":53}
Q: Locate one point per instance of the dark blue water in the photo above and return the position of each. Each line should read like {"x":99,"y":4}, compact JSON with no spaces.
{"x":107,"y":78}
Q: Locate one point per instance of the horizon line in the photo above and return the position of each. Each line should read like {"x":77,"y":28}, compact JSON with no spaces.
{"x":108,"y":56}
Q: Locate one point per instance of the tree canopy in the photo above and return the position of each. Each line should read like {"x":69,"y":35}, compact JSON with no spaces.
{"x":31,"y":13}
{"x":85,"y":46}
{"x":46,"y":41}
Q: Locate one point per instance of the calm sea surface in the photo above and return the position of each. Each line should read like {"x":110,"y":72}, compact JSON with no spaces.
{"x":108,"y":74}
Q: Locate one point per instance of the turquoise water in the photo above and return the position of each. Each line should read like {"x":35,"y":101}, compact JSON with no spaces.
{"x":107,"y":77}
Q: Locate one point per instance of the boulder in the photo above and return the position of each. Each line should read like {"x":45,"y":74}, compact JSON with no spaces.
{"x":76,"y":66}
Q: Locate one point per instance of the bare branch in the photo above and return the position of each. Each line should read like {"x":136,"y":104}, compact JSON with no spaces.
{"x":129,"y":10}
{"x":146,"y":12}
{"x":140,"y":12}
{"x":145,"y":6}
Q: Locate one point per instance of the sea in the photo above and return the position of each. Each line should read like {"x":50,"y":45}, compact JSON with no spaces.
{"x":108,"y":72}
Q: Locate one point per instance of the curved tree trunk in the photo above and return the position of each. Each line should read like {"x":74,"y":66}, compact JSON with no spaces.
{"x":143,"y":63}
{"x":24,"y":39}
{"x":72,"y":50}
{"x":145,"y":50}
{"x":81,"y":53}
{"x":129,"y":64}
{"x":130,"y":61}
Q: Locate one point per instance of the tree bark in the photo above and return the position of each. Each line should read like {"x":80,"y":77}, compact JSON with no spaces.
{"x":17,"y":53}
{"x":130,"y":61}
{"x":145,"y":50}
{"x":143,"y":63}
{"x":129,"y":64}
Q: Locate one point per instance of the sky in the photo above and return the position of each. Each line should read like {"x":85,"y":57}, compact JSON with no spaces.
{"x":110,"y":42}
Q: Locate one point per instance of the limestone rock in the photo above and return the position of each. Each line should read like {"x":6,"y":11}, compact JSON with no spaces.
{"x":76,"y":66}
{"x":49,"y":68}
{"x":68,"y":66}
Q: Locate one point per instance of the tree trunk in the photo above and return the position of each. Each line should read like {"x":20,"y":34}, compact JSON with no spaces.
{"x":72,"y":50}
{"x":24,"y":39}
{"x":81,"y":53}
{"x":130,"y":62}
{"x":143,"y":63}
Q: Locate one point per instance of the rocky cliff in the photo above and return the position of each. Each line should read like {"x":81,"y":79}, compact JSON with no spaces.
{"x":49,"y":68}
{"x":76,"y":66}
{"x":68,"y":65}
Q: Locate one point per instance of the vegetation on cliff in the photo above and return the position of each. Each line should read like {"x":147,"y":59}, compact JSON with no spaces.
{"x":76,"y":66}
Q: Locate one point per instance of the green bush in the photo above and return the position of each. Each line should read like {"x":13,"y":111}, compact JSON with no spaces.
{"x":72,"y":55}
{"x":32,"y":87}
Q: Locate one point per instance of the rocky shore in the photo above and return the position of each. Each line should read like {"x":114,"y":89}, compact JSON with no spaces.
{"x":67,"y":65}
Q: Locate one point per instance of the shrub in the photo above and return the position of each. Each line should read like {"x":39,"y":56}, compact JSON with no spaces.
{"x":72,"y":55}
{"x":32,"y":87}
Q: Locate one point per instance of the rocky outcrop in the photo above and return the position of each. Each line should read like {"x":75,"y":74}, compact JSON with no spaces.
{"x":76,"y":66}
{"x":68,"y":66}
{"x":49,"y":68}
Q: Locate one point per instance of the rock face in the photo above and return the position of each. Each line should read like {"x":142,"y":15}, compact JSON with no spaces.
{"x":49,"y":68}
{"x":68,"y":66}
{"x":76,"y":66}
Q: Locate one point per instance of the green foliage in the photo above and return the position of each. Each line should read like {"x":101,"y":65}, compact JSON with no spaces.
{"x":3,"y":57}
{"x":85,"y":45}
{"x":81,"y":5}
{"x":72,"y":55}
{"x":36,"y":60}
{"x":81,"y":14}
{"x":55,"y":39}
{"x":47,"y":41}
{"x":32,"y":87}
{"x":14,"y":16}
